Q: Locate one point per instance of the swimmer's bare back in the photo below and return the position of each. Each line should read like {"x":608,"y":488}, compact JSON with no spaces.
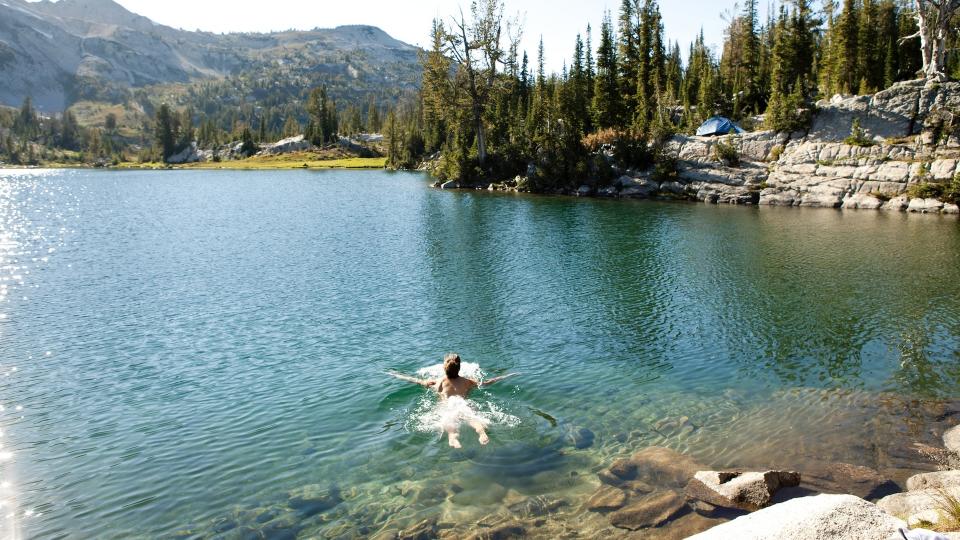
{"x":446,"y":387}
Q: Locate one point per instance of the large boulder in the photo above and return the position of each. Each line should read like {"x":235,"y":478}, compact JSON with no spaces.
{"x":748,"y":491}
{"x":862,"y":201}
{"x":639,"y":188}
{"x":951,"y":439}
{"x":912,"y":503}
{"x":806,"y":518}
{"x":190,"y":154}
{"x":925,"y":206}
{"x":283,"y":146}
{"x":651,"y":510}
{"x":934,"y":480}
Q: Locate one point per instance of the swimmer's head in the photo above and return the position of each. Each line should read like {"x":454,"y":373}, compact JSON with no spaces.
{"x":451,"y":365}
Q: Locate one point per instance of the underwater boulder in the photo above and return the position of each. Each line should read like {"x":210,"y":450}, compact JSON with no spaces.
{"x":313,"y":499}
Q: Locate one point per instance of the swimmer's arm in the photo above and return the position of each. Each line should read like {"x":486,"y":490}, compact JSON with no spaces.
{"x":421,"y":382}
{"x":488,"y":382}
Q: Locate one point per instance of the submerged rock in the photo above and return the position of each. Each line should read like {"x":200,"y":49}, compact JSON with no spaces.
{"x":843,"y":478}
{"x":823,"y":516}
{"x":424,"y":530}
{"x":606,"y":499}
{"x":651,"y":510}
{"x":655,"y":465}
{"x":502,"y":532}
{"x":580,"y":438}
{"x":746,"y":491}
{"x":313,"y":499}
{"x":536,"y":506}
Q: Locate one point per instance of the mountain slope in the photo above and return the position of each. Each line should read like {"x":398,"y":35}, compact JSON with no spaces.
{"x":61,"y":52}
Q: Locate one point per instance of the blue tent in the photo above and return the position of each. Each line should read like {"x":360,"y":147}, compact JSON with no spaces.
{"x":718,"y":125}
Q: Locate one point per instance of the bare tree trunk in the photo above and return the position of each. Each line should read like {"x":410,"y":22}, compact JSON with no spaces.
{"x":933,"y":17}
{"x":474,"y":95}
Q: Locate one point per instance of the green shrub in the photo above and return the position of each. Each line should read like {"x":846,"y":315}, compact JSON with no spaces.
{"x":949,"y":508}
{"x":926,"y":190}
{"x":776,"y":152}
{"x":664,"y":167}
{"x":857,"y":136}
{"x":789,"y":112}
{"x":726,"y":152}
{"x":952,"y":192}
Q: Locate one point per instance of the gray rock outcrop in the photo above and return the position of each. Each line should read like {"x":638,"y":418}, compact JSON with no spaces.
{"x":190,"y":154}
{"x":822,"y":516}
{"x":748,"y":491}
{"x":819,"y":169}
{"x":285,"y":146}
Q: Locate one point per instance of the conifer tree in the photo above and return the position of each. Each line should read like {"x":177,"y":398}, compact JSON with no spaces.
{"x":606,"y":96}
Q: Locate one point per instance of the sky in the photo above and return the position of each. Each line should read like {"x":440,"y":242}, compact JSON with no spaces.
{"x":558,"y":21}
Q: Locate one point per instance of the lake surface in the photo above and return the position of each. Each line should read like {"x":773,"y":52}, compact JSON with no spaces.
{"x":179,"y":350}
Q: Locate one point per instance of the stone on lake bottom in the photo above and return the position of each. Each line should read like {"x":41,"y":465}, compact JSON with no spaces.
{"x":655,"y":465}
{"x":423,"y":530}
{"x":606,"y":499}
{"x":845,"y":478}
{"x":502,"y":532}
{"x":821,"y":517}
{"x":746,"y":491}
{"x":536,"y":506}
{"x":650,"y":510}
{"x":313,"y":499}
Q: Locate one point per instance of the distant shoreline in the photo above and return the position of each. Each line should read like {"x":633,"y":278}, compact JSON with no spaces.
{"x":253,"y":164}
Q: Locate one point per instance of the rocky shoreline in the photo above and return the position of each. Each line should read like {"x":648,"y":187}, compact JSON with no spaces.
{"x":667,"y":487}
{"x":657,"y":486}
{"x":910,"y":136}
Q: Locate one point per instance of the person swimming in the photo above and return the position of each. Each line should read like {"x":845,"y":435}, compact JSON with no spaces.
{"x":453,"y":391}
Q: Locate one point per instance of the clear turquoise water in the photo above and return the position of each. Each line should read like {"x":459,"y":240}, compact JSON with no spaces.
{"x":182,"y":348}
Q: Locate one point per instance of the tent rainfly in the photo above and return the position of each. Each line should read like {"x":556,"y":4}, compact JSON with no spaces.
{"x":718,"y":125}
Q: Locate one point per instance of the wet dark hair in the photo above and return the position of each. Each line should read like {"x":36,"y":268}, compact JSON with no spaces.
{"x":451,"y":365}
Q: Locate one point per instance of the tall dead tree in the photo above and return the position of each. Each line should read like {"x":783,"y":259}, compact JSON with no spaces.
{"x":934,"y":18}
{"x":476,"y":47}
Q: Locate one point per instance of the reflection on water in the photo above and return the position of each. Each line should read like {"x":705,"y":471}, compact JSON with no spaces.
{"x":203,"y":352}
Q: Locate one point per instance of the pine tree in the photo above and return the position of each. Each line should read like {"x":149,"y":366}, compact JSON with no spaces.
{"x":869,"y":52}
{"x":848,"y":73}
{"x":165,"y":131}
{"x":606,"y":95}
{"x":628,"y":59}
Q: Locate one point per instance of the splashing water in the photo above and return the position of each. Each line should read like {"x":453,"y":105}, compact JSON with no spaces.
{"x":437,"y":415}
